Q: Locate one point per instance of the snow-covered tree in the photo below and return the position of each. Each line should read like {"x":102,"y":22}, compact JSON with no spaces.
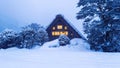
{"x":32,"y":35}
{"x":41,"y":36}
{"x":28,"y":38}
{"x":7,"y":39}
{"x":19,"y":40}
{"x":101,"y":23}
{"x":63,"y":40}
{"x":35,"y":26}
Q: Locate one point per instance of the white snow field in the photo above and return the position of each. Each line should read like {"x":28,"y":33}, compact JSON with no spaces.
{"x":76,"y":56}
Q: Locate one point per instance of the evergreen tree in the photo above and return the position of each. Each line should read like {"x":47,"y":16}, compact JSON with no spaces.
{"x":101,"y":23}
{"x":63,"y":40}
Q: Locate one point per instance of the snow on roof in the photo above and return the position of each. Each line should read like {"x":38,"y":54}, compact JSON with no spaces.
{"x":76,"y":29}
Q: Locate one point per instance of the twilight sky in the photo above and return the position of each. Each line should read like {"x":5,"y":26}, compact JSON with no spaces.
{"x":16,"y":13}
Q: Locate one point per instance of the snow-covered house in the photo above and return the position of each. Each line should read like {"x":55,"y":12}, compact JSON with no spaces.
{"x":60,"y":26}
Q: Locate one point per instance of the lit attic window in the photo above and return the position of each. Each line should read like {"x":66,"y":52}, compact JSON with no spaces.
{"x":59,"y":27}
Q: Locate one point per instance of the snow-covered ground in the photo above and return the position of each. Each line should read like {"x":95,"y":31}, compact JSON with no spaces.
{"x":76,"y":56}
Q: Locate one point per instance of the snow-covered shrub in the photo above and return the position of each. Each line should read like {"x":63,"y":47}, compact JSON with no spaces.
{"x":32,"y":35}
{"x":63,"y":40}
{"x":41,"y":37}
{"x":7,"y":39}
{"x":27,"y":35}
{"x":19,"y":41}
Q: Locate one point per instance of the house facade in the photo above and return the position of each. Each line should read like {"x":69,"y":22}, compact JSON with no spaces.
{"x":60,"y":26}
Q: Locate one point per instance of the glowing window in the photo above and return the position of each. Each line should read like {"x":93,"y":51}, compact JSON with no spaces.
{"x":66,"y":33}
{"x":57,"y":33}
{"x":61,"y":32}
{"x":65,"y":27}
{"x":59,"y":27}
{"x":53,"y":33}
{"x":53,"y":28}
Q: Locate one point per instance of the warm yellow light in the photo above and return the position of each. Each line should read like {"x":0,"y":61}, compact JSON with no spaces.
{"x":61,"y":32}
{"x":65,"y":27}
{"x":59,"y":27}
{"x":57,"y":33}
{"x":53,"y":28}
{"x":53,"y":33}
{"x":66,"y":33}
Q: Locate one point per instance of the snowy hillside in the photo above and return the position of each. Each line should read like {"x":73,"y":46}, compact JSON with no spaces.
{"x":60,"y":57}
